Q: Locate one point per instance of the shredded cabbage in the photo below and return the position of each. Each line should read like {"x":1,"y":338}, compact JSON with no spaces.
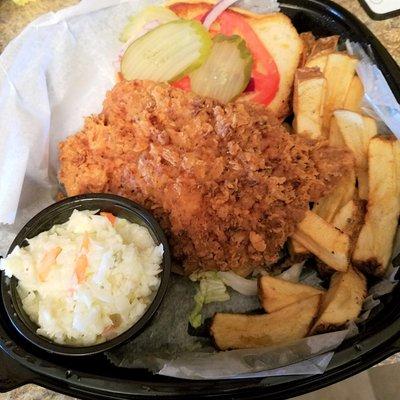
{"x":88,"y":279}
{"x":211,"y":288}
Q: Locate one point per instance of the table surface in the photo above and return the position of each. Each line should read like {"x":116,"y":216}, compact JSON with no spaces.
{"x":13,"y":19}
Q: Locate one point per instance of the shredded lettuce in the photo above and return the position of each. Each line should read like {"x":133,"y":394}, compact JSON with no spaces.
{"x":211,"y":288}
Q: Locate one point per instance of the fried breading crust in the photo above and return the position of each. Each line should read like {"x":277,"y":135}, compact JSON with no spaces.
{"x":227,"y":182}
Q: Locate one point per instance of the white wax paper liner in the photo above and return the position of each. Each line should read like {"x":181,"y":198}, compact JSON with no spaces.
{"x":379,"y":100}
{"x":291,"y":359}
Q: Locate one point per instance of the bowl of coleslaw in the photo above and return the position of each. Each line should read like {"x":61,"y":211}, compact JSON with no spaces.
{"x":85,"y":274}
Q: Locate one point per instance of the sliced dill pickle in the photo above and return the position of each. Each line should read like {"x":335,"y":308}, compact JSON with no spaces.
{"x":149,"y":18}
{"x":227,"y":70}
{"x":168,"y":52}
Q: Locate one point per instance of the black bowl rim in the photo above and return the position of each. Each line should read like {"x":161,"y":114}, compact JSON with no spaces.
{"x":43,"y":343}
{"x":367,"y":352}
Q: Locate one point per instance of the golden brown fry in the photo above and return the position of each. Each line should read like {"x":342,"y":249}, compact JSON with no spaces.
{"x":319,"y":52}
{"x":308,"y":102}
{"x":329,"y":205}
{"x":326,"y":242}
{"x":344,"y":215}
{"x":339,"y":72}
{"x":241,"y":331}
{"x":308,"y":40}
{"x":325,"y":45}
{"x":342,"y":302}
{"x":357,"y":130}
{"x":354,"y":95}
{"x":318,"y":61}
{"x":350,"y":219}
{"x":335,"y":136}
{"x":375,"y":242}
{"x":275,"y":293}
{"x":297,"y":251}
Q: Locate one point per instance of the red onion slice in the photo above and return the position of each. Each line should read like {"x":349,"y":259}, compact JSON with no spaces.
{"x":216,"y":11}
{"x":149,"y":26}
{"x":251,"y":86}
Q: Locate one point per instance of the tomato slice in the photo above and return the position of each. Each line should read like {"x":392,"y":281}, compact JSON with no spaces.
{"x":183,"y":83}
{"x":265,"y":75}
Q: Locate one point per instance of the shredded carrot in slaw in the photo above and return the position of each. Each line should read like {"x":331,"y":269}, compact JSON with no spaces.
{"x":48,"y":261}
{"x":109,"y":216}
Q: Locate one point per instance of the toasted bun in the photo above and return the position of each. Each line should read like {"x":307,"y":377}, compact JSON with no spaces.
{"x":280,"y":38}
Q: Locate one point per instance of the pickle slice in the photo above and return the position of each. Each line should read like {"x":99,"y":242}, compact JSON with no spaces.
{"x":140,"y":23}
{"x":227,"y":70}
{"x":167,"y":52}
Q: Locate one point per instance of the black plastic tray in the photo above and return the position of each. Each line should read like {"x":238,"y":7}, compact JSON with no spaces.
{"x":95,"y":378}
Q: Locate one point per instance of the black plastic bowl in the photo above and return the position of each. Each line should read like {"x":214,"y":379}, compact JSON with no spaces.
{"x":59,"y":213}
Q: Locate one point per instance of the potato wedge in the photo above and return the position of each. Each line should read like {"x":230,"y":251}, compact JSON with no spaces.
{"x":326,"y":242}
{"x":350,"y":219}
{"x":339,"y":72}
{"x":352,"y":213}
{"x":318,"y":61}
{"x":328,"y":206}
{"x":324,"y":45}
{"x":308,"y":102}
{"x":375,"y":242}
{"x":357,"y":130}
{"x":241,"y":331}
{"x":275,"y":293}
{"x":345,"y":215}
{"x":297,"y":251}
{"x":342,"y":302}
{"x":319,"y":51}
{"x":354,"y":95}
{"x":335,"y":136}
{"x":308,"y":40}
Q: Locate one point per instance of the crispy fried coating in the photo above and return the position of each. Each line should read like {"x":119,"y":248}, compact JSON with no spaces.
{"x":227,"y":182}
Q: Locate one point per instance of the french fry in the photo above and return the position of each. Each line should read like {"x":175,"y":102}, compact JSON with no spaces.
{"x":275,"y":293}
{"x":350,"y":219}
{"x":241,"y":331}
{"x":318,"y":54}
{"x":325,"y":45}
{"x":323,"y":240}
{"x":375,"y":242}
{"x":335,"y":136}
{"x":308,"y":40}
{"x":328,"y":206}
{"x":357,"y":130}
{"x":297,"y":251}
{"x":318,"y":61}
{"x":354,"y":95}
{"x":342,"y":302}
{"x":347,"y":216}
{"x":308,"y":102}
{"x":339,"y":72}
